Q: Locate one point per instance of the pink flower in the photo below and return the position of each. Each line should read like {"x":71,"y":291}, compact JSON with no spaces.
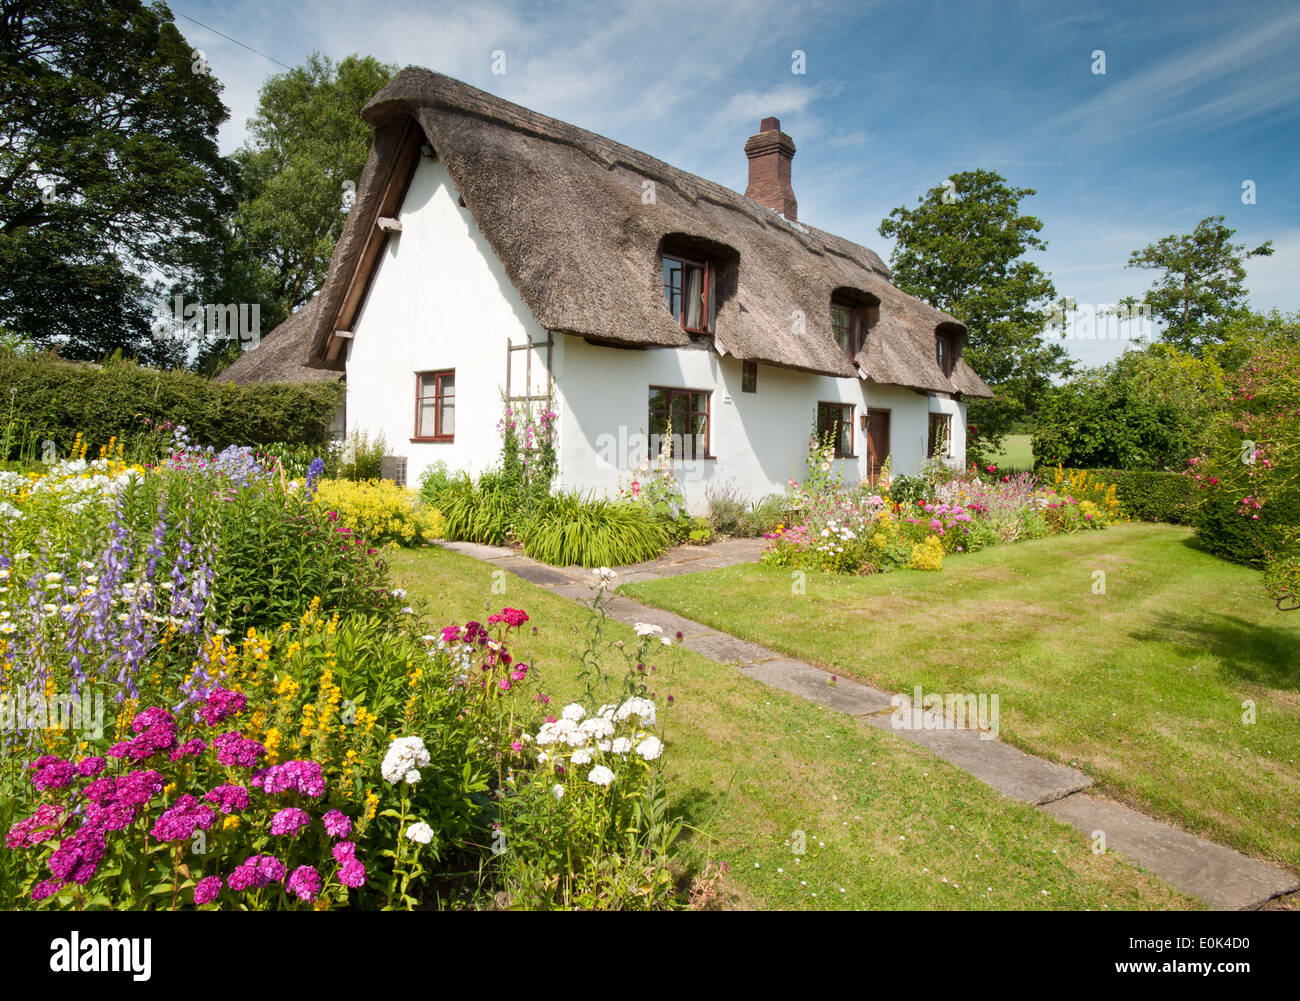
{"x":516,"y":746}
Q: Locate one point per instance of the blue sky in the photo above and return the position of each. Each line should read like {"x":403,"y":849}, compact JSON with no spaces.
{"x":1197,"y":98}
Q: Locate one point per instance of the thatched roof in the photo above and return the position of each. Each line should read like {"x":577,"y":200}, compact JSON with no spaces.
{"x":281,"y":356}
{"x":566,"y":212}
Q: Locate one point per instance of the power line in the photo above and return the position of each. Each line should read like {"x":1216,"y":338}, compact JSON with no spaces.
{"x":229,"y":39}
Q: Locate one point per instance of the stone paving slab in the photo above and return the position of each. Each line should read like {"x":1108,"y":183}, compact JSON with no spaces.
{"x":479,"y":552}
{"x":1221,"y":877}
{"x":727,"y":649}
{"x":811,"y":683}
{"x":537,"y":573}
{"x":1008,"y":770}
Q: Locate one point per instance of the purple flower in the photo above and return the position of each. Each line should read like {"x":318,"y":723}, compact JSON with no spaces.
{"x":52,"y":772}
{"x":234,"y":751}
{"x":345,"y":851}
{"x":228,"y":798}
{"x":46,"y":889}
{"x":289,"y":821}
{"x":304,"y":883}
{"x":337,"y":824}
{"x":221,"y":704}
{"x":180,"y":821}
{"x":257,"y":871}
{"x":295,"y":776}
{"x":190,"y":749}
{"x":89,"y":767}
{"x":207,"y":890}
{"x":353,"y":874}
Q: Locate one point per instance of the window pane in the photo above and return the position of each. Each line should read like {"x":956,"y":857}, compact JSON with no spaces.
{"x":673,"y":287}
{"x":428,"y":385}
{"x":700,"y":402}
{"x":448,"y":384}
{"x":749,"y":377}
{"x":694,"y":297}
{"x":426,"y":428}
{"x":658,"y":399}
{"x":448,"y":425}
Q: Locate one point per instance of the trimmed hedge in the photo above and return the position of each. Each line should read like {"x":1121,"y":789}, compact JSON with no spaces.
{"x":57,"y":399}
{"x":1148,"y":495}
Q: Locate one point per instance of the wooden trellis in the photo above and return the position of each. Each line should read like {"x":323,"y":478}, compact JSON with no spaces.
{"x":528,"y":397}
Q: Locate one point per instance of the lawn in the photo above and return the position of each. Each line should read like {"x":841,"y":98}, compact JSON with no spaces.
{"x":887,"y":824}
{"x":1017,"y":453}
{"x":1146,"y":687}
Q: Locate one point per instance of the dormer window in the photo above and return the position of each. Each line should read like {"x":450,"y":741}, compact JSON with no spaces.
{"x":945,"y":347}
{"x":688,"y":290}
{"x":850,"y":325}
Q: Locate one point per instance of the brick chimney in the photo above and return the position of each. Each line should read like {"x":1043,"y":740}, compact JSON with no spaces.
{"x":770,"y":152}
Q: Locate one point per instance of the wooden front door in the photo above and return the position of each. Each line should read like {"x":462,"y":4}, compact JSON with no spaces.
{"x":877,"y":443}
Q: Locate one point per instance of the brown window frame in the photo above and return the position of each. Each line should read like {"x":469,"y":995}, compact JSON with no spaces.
{"x":843,"y":422}
{"x":944,"y":340}
{"x":861,"y":320}
{"x":706,"y":291}
{"x":941,"y":420}
{"x":438,"y":396}
{"x":670,"y":392}
{"x":749,"y":377}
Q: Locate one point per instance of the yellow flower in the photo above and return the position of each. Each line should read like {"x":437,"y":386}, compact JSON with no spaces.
{"x":372,"y":804}
{"x":230,"y":823}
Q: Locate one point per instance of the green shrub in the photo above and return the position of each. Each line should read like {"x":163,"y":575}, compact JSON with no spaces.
{"x":362,"y":457}
{"x":482,"y":513}
{"x":1148,"y":495}
{"x":571,"y":529}
{"x":910,"y":489}
{"x":55,"y":400}
{"x":726,"y":509}
{"x":764,"y":515}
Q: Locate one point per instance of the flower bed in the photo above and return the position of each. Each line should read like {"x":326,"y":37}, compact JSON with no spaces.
{"x":849,"y":529}
{"x":213,"y":697}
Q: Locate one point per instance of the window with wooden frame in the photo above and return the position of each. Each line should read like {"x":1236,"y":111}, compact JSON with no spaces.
{"x":749,"y":377}
{"x":687,"y":410}
{"x":945,"y":346}
{"x":435,"y":405}
{"x":850,"y":324}
{"x":688,"y":291}
{"x":940,"y":440}
{"x":835,"y":421}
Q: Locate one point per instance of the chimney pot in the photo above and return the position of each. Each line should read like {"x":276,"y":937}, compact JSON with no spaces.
{"x":770,"y":151}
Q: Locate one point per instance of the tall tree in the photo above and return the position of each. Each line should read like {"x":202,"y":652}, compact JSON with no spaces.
{"x":962,"y":249}
{"x":306,"y":141}
{"x":109,"y":169}
{"x":1201,"y":288}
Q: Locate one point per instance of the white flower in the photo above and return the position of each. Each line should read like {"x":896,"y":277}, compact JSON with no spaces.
{"x":647,"y":629}
{"x":600,"y":775}
{"x":666,"y":640}
{"x":557,"y":791}
{"x":636,"y":706}
{"x":604,"y":577}
{"x":419,"y":832}
{"x":581,"y":756}
{"x":621,"y":745}
{"x":573,"y":711}
{"x":650,"y":748}
{"x":398,"y":592}
{"x":406,"y":755}
{"x":597,"y":727}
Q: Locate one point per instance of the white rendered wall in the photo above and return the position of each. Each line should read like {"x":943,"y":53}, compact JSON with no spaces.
{"x":439,"y":300}
{"x":759,"y":440}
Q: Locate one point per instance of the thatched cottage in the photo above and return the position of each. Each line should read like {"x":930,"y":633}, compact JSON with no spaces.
{"x":493,"y":252}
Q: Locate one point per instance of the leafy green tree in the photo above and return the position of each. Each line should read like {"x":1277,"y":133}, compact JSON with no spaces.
{"x":1146,"y":410}
{"x":1201,"y":288}
{"x":306,"y":140}
{"x":962,"y":249}
{"x":109,"y":171}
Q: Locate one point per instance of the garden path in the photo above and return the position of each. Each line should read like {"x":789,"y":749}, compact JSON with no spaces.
{"x":1223,"y":878}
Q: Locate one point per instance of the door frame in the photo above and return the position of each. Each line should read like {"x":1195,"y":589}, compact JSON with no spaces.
{"x":875,"y":464}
